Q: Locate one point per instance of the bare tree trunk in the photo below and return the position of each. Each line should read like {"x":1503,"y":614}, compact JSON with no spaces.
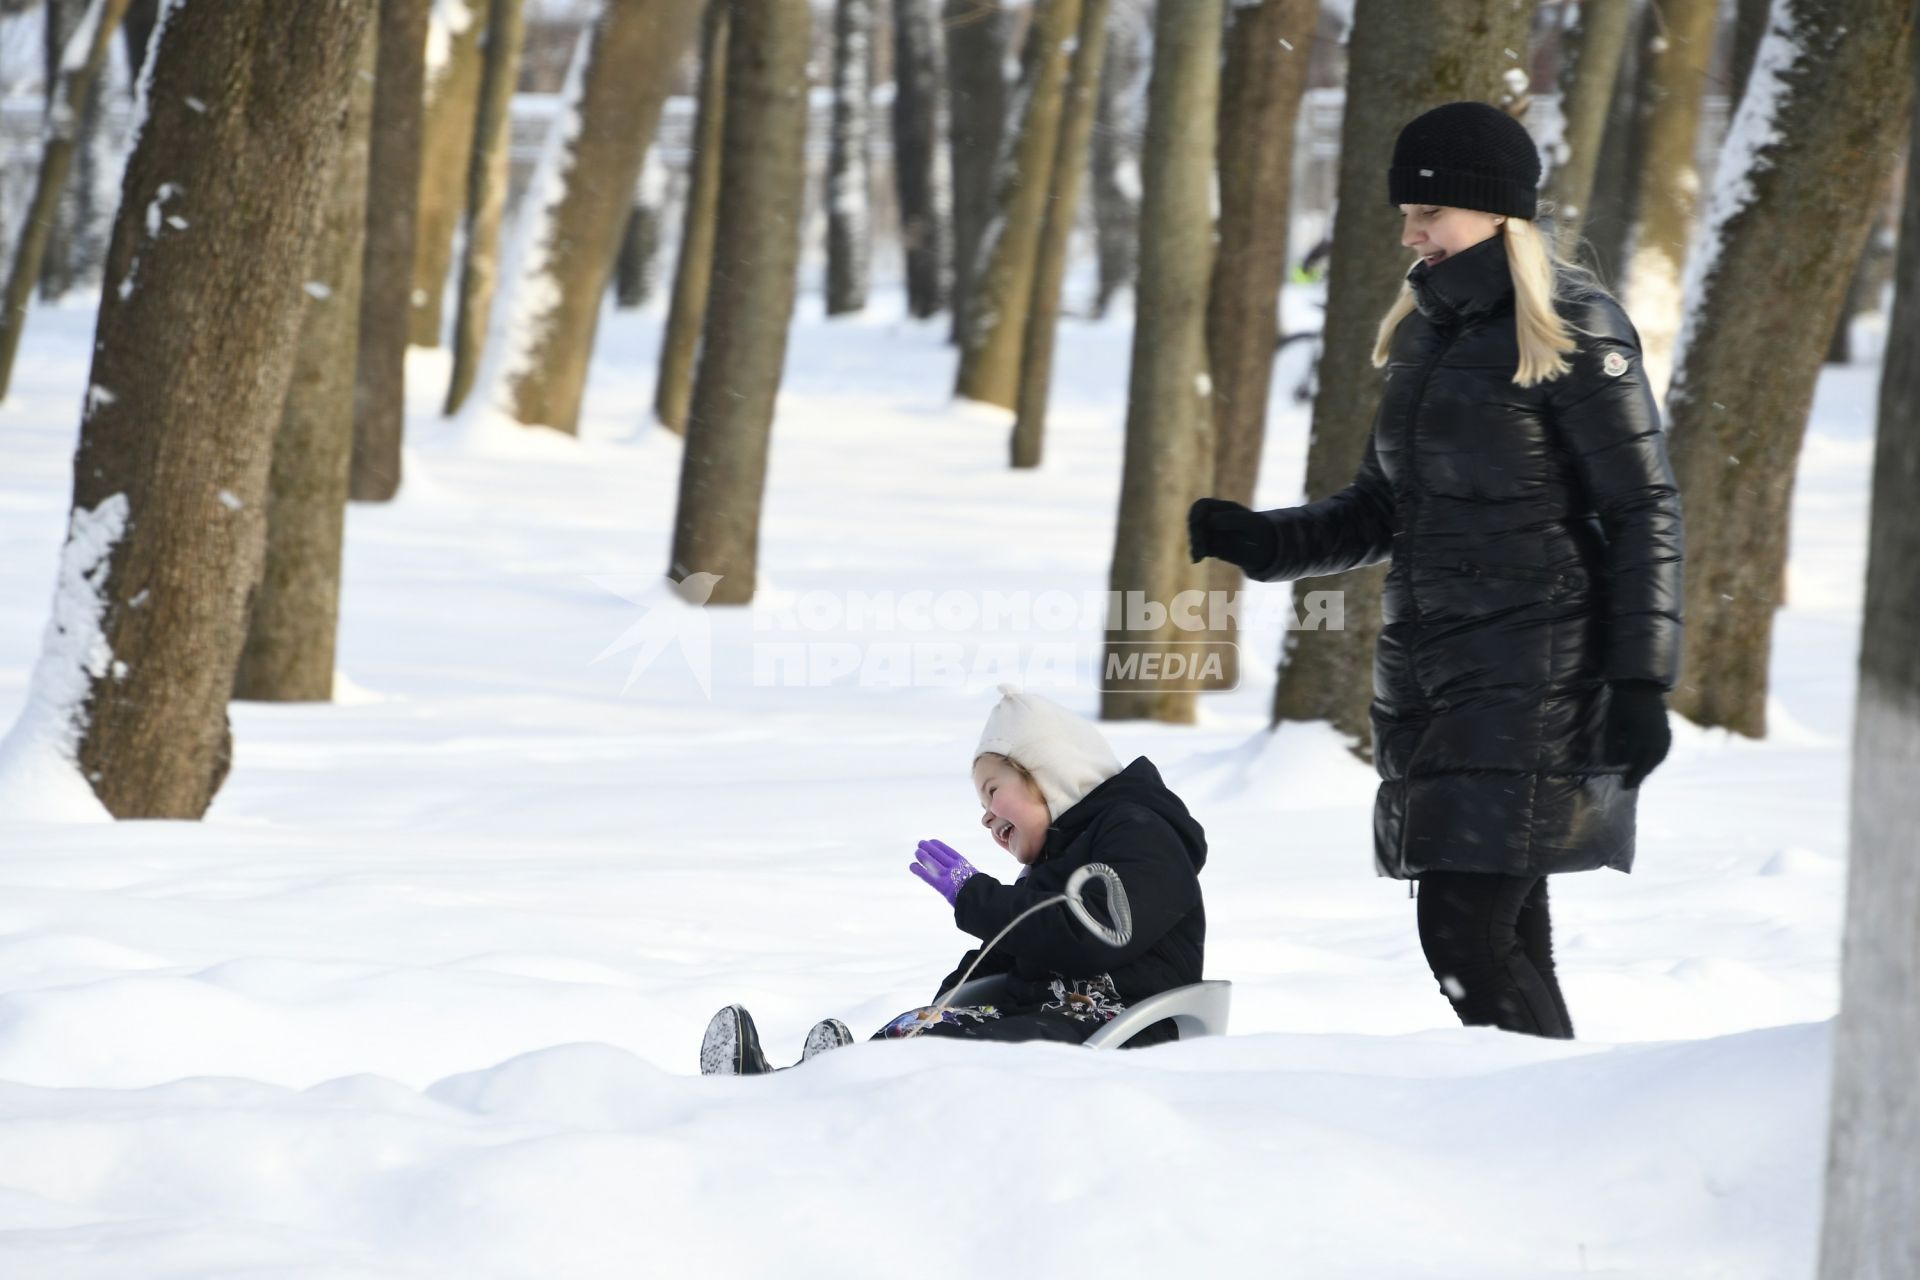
{"x":1116,"y":159}
{"x":452,"y":92}
{"x":1587,"y":78}
{"x":1265,"y":74}
{"x":919,"y":176}
{"x":1871,"y":1231}
{"x":192,"y":359}
{"x":67,"y":99}
{"x":78,"y":241}
{"x":97,"y":162}
{"x":1749,"y":24}
{"x":486,"y":194}
{"x":1063,"y":206}
{"x":1871,"y":274}
{"x":636,"y":48}
{"x":693,"y":274}
{"x":60,"y":19}
{"x":977,"y":117}
{"x":994,"y":333}
{"x":1409,"y":61}
{"x":1169,"y":449}
{"x":1792,"y":200}
{"x":1669,"y":183}
{"x":849,"y":173}
{"x":756,"y":253}
{"x":386,"y":291}
{"x":1613,"y":203}
{"x":137,"y":30}
{"x":634,"y":266}
{"x":295,"y":615}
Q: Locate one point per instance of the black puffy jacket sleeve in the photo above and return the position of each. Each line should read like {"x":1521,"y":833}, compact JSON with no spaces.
{"x":1347,"y":530}
{"x":1605,"y":416}
{"x":1160,"y":883}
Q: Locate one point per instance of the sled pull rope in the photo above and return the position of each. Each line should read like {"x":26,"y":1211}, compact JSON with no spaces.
{"x":1118,"y":934}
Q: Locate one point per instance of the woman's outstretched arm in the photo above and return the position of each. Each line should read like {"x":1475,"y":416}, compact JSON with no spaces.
{"x":1347,"y":530}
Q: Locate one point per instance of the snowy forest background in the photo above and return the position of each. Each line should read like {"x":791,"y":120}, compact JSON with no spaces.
{"x":446,"y":450}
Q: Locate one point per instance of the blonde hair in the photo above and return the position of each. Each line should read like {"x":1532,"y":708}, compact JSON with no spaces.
{"x":1544,"y":337}
{"x":1021,"y":771}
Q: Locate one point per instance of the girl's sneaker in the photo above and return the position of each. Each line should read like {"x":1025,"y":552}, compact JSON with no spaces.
{"x":828,"y":1033}
{"x":731,"y":1046}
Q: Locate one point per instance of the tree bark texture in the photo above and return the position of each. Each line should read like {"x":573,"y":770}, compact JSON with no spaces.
{"x":693,"y":272}
{"x":994,"y":331}
{"x":1063,"y":206}
{"x":386,"y":292}
{"x":636,"y":49}
{"x":1169,"y":445}
{"x":192,"y":359}
{"x":1792,"y":202}
{"x":294,"y":621}
{"x":1265,"y":74}
{"x":757,"y":247}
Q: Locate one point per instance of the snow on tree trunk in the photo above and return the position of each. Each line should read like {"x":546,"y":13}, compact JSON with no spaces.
{"x":486,"y":194}
{"x":1669,"y":182}
{"x":756,"y":257}
{"x":1871,"y":1230}
{"x":693,"y":273}
{"x":1789,"y":211}
{"x":1115,"y":157}
{"x":994,"y":332}
{"x":1464,"y":49}
{"x":919,"y":168}
{"x":576,"y":215}
{"x":79,"y":67}
{"x":295,"y":614}
{"x":633,"y":267}
{"x":1587,"y":78}
{"x":1062,"y":209}
{"x":1268,"y":44}
{"x":386,"y":292}
{"x":454,"y":64}
{"x":192,"y":358}
{"x":849,"y":170}
{"x":1169,"y":445}
{"x":976,"y":118}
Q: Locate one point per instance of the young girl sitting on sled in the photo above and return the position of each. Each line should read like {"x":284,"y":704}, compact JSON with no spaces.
{"x":1053,"y":795}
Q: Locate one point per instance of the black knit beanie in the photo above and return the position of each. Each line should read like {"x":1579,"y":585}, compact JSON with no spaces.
{"x":1468,"y":155}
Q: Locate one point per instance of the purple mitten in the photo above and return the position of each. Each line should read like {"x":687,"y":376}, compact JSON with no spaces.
{"x":943,"y":867}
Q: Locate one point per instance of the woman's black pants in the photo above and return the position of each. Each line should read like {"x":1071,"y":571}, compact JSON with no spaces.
{"x":1490,"y":944}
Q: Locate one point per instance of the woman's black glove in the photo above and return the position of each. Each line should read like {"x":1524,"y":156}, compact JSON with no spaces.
{"x":1228,"y":531}
{"x":1637,"y":732}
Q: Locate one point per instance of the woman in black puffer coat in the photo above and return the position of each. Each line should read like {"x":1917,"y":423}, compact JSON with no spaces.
{"x":1518,"y":480}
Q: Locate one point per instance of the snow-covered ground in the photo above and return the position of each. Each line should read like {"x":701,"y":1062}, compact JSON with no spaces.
{"x":422,"y":995}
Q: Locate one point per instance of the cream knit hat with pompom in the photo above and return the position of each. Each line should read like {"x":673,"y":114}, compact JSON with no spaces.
{"x":1066,"y":755}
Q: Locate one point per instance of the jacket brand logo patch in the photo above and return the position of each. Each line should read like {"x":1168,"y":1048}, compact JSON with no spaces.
{"x":1426,"y":173}
{"x":1614,"y":365}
